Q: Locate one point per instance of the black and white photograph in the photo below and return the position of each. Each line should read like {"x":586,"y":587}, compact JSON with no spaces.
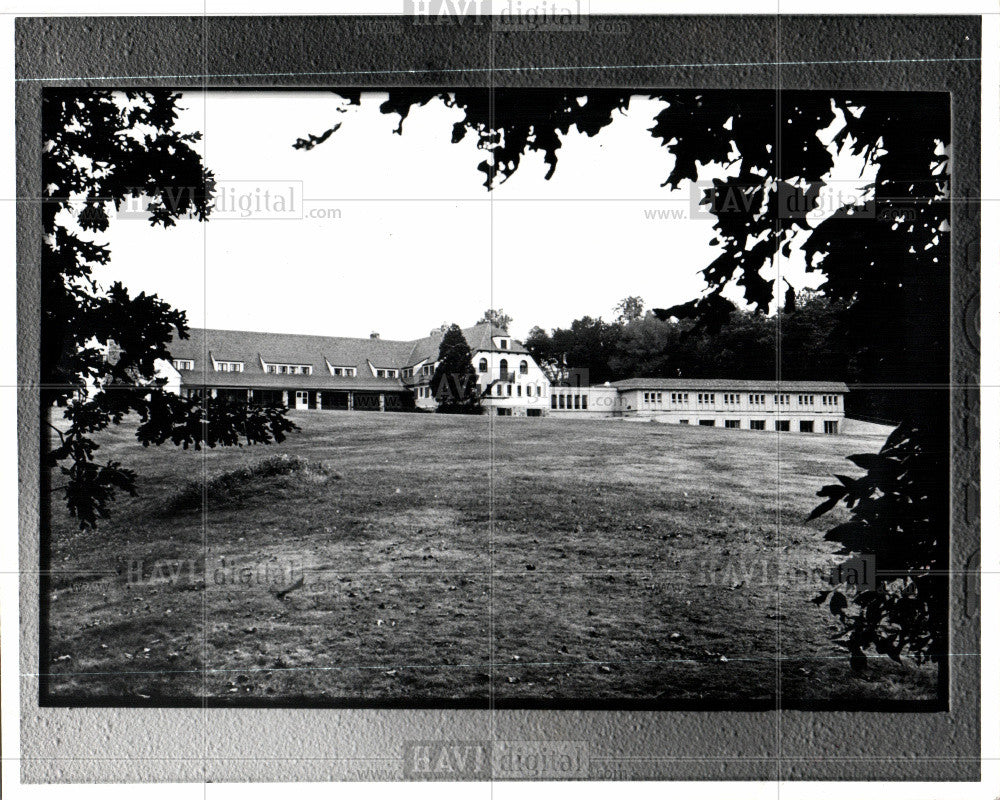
{"x":577,"y":397}
{"x":467,"y":394}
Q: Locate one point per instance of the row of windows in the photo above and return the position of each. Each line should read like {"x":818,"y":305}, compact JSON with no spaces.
{"x":229,"y":366}
{"x":528,"y":390}
{"x":183,"y":363}
{"x":386,"y":373}
{"x":484,"y":366}
{"x":569,"y":401}
{"x":343,"y":372}
{"x":708,"y":398}
{"x":289,"y":369}
{"x":805,"y":425}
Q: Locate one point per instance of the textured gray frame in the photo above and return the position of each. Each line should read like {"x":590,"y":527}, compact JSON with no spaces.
{"x":896,"y":53}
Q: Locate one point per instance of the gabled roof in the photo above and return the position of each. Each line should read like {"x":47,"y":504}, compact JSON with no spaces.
{"x":251,"y":347}
{"x":287,"y":348}
{"x":480,"y":338}
{"x":725,"y":384}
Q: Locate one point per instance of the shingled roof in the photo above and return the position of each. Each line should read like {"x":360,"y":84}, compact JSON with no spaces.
{"x":251,"y":347}
{"x":479,"y":337}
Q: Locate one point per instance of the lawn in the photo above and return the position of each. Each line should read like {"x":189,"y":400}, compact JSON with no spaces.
{"x":423,"y":558}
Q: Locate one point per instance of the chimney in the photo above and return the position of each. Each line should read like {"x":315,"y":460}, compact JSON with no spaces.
{"x":373,"y":335}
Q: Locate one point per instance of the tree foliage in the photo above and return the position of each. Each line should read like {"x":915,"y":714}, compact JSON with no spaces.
{"x":100,"y":150}
{"x":497,"y":318}
{"x":630,"y":308}
{"x":454,"y":383}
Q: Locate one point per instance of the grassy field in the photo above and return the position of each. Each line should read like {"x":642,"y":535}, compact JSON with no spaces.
{"x":441,"y":558}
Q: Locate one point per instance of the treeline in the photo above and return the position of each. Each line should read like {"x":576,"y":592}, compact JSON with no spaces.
{"x":815,"y":344}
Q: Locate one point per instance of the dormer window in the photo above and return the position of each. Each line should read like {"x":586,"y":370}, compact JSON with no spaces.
{"x":503,"y":344}
{"x":183,"y":363}
{"x":287,"y":369}
{"x":229,"y":366}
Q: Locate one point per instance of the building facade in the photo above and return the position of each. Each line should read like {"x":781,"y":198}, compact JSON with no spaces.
{"x":355,"y":374}
{"x":375,"y":374}
{"x":791,"y":406}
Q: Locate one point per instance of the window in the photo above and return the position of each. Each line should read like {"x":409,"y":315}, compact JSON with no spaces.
{"x":509,"y":390}
{"x":756,"y":424}
{"x":830,"y":426}
{"x":706,"y":398}
{"x":503,"y":412}
{"x":183,"y":363}
{"x":781,"y":425}
{"x":523,"y":367}
{"x":519,"y":390}
{"x":576,"y":401}
{"x":645,"y":397}
{"x":731,"y":399}
{"x":829,"y":399}
{"x":285,"y":369}
{"x":756,"y":399}
{"x":482,"y":365}
{"x":528,"y":389}
{"x":503,"y":366}
{"x":683,"y":421}
{"x":806,"y":426}
{"x":343,"y":372}
{"x":806,"y":399}
{"x":553,"y":401}
{"x":781,"y":399}
{"x":708,"y":423}
{"x":732,"y":423}
{"x":499,"y":390}
{"x":584,"y":401}
{"x":659,"y":397}
{"x":229,"y":366}
{"x":503,"y":344}
{"x":562,"y":401}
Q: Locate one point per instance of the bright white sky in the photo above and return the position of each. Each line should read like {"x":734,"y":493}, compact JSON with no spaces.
{"x":419,"y":241}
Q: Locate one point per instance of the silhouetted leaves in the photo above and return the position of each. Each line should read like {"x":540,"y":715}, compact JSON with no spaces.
{"x":101,"y":150}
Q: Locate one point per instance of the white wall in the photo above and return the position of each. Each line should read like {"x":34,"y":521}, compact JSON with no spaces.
{"x":634,"y":404}
{"x":164,"y":369}
{"x":534,"y":378}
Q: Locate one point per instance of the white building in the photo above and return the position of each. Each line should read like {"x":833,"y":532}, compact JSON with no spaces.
{"x":793,"y":406}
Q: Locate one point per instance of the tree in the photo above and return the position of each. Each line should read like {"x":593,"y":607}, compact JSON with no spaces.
{"x":497,"y":318}
{"x":629,"y":309}
{"x":884,"y":257}
{"x":99,"y":150}
{"x":454,"y":382}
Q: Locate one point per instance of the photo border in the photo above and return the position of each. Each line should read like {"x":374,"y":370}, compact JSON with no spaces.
{"x":284,"y":53}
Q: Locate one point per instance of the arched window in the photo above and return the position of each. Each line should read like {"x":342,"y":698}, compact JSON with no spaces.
{"x":482,"y":365}
{"x":503,"y":366}
{"x":524,"y":367}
